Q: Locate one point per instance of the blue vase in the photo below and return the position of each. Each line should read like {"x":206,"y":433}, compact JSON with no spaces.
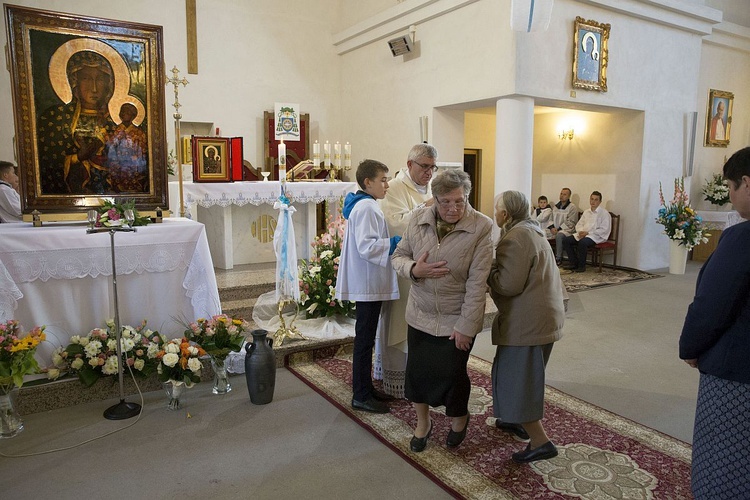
{"x":260,"y":368}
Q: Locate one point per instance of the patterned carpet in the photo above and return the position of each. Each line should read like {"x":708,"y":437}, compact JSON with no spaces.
{"x":592,"y":278}
{"x":602,"y":455}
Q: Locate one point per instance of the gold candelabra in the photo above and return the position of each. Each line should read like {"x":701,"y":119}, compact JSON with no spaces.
{"x":287,"y":332}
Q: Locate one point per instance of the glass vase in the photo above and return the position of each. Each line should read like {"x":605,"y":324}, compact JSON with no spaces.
{"x":10,"y":421}
{"x":221,"y":379}
{"x":174,"y":391}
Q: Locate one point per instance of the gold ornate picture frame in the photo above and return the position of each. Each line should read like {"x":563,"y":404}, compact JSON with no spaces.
{"x":88,"y":102}
{"x":211,"y":159}
{"x":590,"y":54}
{"x":718,"y":118}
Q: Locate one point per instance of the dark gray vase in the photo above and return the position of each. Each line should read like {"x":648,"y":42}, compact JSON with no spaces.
{"x":260,"y":368}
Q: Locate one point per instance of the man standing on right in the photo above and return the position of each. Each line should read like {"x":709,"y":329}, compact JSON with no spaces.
{"x":593,"y":228}
{"x":564,"y":219}
{"x":407,"y":192}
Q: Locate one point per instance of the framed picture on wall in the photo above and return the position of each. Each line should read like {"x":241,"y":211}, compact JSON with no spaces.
{"x":718,"y":118}
{"x":211,"y":159}
{"x":590,"y":55}
{"x":88,"y":102}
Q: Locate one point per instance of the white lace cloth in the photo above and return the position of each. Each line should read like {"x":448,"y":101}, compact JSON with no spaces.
{"x":266,"y":316}
{"x":59,"y":276}
{"x":254,"y":193}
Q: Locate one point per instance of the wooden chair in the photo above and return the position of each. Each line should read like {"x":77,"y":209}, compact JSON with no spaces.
{"x":597,"y":251}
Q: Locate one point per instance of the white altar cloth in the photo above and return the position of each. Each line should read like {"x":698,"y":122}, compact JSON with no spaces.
{"x":59,"y":276}
{"x":240,"y":218}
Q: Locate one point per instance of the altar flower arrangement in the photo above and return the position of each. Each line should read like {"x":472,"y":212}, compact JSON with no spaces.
{"x":112,"y":214}
{"x":94,"y":355}
{"x":318,"y":276}
{"x":680,"y":221}
{"x":219,"y":335}
{"x":17,"y":350}
{"x":716,"y":190}
{"x":179,"y":362}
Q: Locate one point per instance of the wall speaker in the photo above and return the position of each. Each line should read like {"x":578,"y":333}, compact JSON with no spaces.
{"x":401,"y":45}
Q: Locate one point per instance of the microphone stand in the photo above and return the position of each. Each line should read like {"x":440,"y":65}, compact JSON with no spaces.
{"x":123,"y":409}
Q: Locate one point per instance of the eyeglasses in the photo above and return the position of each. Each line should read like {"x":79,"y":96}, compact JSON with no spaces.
{"x":457,"y":205}
{"x":426,"y":167}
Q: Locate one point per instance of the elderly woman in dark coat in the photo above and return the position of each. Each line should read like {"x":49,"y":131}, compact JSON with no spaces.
{"x":446,"y":252}
{"x":525,"y":285}
{"x":716,"y":340}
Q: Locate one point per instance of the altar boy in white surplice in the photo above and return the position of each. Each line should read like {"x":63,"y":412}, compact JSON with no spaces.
{"x":409,"y":191}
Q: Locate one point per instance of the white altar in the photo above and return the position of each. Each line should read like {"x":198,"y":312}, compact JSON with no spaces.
{"x":60,"y":276}
{"x":240,"y":219}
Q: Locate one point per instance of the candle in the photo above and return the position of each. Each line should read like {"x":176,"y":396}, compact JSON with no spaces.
{"x":337,"y":155}
{"x":316,"y":154}
{"x":282,"y":161}
{"x":347,"y":155}
{"x":327,"y":154}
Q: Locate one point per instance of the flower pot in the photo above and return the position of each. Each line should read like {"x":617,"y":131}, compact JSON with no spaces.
{"x":10,"y":421}
{"x":221,"y":379}
{"x":260,"y":368}
{"x":677,"y":257}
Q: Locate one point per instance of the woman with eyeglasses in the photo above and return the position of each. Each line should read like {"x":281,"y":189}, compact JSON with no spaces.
{"x":446,"y":251}
{"x":526,"y":287}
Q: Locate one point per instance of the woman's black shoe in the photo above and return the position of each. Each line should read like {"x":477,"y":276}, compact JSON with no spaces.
{"x":515,"y":429}
{"x":547,"y":450}
{"x":419,"y":444}
{"x":456,"y":438}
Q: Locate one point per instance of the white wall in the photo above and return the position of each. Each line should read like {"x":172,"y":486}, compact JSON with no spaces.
{"x":479,"y":133}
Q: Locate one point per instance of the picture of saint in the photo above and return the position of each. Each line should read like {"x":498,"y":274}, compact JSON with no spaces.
{"x":718,"y":130}
{"x":92,"y":141}
{"x":211,"y":160}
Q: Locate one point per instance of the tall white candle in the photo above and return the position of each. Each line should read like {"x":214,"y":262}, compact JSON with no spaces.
{"x":327,"y":154}
{"x":316,"y":154}
{"x":282,"y":161}
{"x":337,"y":155}
{"x":347,"y":155}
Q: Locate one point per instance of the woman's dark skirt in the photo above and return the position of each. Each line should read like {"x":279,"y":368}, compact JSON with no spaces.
{"x":721,"y":440}
{"x":436,"y":373}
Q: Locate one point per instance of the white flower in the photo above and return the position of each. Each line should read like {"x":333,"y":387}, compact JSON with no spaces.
{"x":57,"y":360}
{"x":94,"y":362}
{"x":53,"y":373}
{"x":312,"y":307}
{"x":679,"y":234}
{"x":172,"y":348}
{"x":152,"y":350}
{"x":194,"y":364}
{"x":111,"y":344}
{"x":314,"y":270}
{"x":127,"y":331}
{"x":137,"y":337}
{"x":193,"y":350}
{"x":139,"y":364}
{"x":75,"y":339}
{"x":126,"y":344}
{"x":77,"y":364}
{"x":92,"y":349}
{"x":83,"y":341}
{"x":170,"y":359}
{"x":326,"y":255}
{"x":110,"y":366}
{"x":110,"y":323}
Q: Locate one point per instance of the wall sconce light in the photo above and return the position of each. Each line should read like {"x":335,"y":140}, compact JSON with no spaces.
{"x":566,"y":134}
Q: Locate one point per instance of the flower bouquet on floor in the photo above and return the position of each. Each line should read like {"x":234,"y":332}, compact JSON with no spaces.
{"x":716,"y":190}
{"x":179,"y":368}
{"x":318,"y":276}
{"x":219,"y":336}
{"x":94,"y":355}
{"x":17,"y":352}
{"x":681,"y":223}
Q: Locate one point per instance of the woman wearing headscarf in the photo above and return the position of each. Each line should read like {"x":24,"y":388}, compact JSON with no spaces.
{"x":526,"y":287}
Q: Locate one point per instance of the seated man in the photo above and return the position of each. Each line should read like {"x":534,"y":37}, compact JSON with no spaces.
{"x":10,"y":201}
{"x":593,"y":228}
{"x":564,"y":218}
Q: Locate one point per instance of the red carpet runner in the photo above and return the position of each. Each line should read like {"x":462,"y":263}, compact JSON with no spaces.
{"x":602,"y":455}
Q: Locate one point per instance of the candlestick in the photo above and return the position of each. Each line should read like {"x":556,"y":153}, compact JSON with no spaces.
{"x":327,"y":154}
{"x":316,"y":154}
{"x":347,"y":156}
{"x":282,"y":161}
{"x":337,"y":155}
